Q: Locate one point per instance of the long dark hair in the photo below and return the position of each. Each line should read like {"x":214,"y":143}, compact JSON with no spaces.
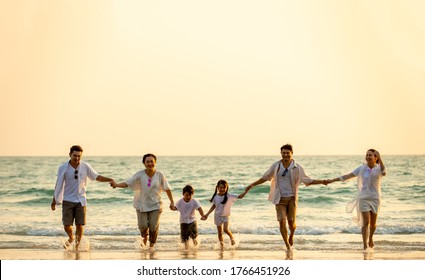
{"x":221,"y":182}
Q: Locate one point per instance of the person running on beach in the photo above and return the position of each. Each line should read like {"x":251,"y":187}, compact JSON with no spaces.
{"x":222,"y":202}
{"x":70,"y":191}
{"x":187,"y":206}
{"x":286,"y":175}
{"x":147,"y":185}
{"x":368,"y":200}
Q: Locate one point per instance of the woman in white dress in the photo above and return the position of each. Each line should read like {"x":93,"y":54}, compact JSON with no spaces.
{"x":367,"y":202}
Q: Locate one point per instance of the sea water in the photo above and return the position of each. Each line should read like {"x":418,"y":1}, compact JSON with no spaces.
{"x":27,"y":185}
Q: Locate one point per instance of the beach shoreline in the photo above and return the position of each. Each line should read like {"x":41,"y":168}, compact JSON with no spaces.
{"x":96,"y":254}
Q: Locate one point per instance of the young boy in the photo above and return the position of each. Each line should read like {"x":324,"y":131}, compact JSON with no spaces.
{"x":187,"y":206}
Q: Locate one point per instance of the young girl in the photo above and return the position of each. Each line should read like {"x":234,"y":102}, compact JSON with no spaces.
{"x":222,"y":202}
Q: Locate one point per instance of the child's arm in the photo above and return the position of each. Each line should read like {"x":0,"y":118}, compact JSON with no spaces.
{"x":209,"y":212}
{"x":201,"y":212}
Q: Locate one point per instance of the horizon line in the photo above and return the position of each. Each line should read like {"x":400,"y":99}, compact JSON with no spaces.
{"x":253,"y":155}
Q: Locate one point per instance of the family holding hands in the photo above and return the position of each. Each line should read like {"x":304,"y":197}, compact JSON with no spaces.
{"x":285,"y":175}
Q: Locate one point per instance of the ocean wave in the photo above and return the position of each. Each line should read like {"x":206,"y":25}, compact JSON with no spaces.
{"x":320,"y":199}
{"x":34,"y":190}
{"x":249,"y":230}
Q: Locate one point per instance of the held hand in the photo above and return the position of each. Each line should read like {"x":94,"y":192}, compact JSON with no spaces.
{"x":328,"y":181}
{"x":247,"y":189}
{"x":203,"y":218}
{"x":113,"y":184}
{"x":172,"y":207}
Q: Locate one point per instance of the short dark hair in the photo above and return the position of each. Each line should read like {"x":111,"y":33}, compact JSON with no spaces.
{"x":75,"y":148}
{"x":287,"y":147}
{"x":188,"y":189}
{"x":148,"y":155}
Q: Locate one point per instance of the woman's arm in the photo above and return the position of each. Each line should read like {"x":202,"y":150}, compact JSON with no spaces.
{"x":341,"y":178}
{"x":381,"y":163}
{"x":120,"y":185}
{"x":170,"y":197}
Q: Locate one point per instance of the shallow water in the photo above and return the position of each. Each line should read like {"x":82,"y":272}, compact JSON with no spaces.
{"x":28,"y":183}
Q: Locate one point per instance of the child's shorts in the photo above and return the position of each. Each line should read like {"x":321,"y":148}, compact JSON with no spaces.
{"x":219,"y":220}
{"x":188,"y":230}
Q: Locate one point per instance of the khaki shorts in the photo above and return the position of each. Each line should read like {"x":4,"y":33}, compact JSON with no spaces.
{"x":286,"y":209}
{"x":148,"y":223}
{"x":73,"y":211}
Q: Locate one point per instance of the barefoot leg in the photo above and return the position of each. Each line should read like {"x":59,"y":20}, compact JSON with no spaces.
{"x":284,"y":233}
{"x":292,"y":228}
{"x":373,"y":218}
{"x":365,"y":229}
{"x":79,"y":235}
{"x":229,"y":233}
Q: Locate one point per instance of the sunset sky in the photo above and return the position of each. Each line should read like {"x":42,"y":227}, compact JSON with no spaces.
{"x":212,"y":77}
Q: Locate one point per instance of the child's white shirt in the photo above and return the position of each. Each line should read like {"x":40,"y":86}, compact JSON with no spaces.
{"x":224,"y":209}
{"x":187,"y":210}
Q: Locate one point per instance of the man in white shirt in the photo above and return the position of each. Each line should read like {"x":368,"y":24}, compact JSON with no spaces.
{"x":286,"y":176}
{"x":70,"y":191}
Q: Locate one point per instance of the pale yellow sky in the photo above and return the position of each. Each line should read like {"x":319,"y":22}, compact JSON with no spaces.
{"x":212,"y":77}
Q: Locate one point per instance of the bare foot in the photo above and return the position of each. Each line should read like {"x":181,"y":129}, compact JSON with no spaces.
{"x":195,"y":242}
{"x":232,"y":241}
{"x":68,"y":243}
{"x":371,"y":244}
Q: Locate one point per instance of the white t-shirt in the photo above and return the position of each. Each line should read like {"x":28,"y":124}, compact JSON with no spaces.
{"x":284,"y":182}
{"x":187,"y":210}
{"x":224,"y":209}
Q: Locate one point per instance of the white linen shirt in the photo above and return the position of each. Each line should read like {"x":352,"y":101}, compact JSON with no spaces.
{"x":187,"y":210}
{"x":368,"y":187}
{"x":298,"y":176}
{"x":146,"y":198}
{"x":369,"y":181}
{"x":84,"y":171}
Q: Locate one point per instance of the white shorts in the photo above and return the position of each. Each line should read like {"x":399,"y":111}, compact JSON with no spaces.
{"x":369,"y":204}
{"x":219,"y":220}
